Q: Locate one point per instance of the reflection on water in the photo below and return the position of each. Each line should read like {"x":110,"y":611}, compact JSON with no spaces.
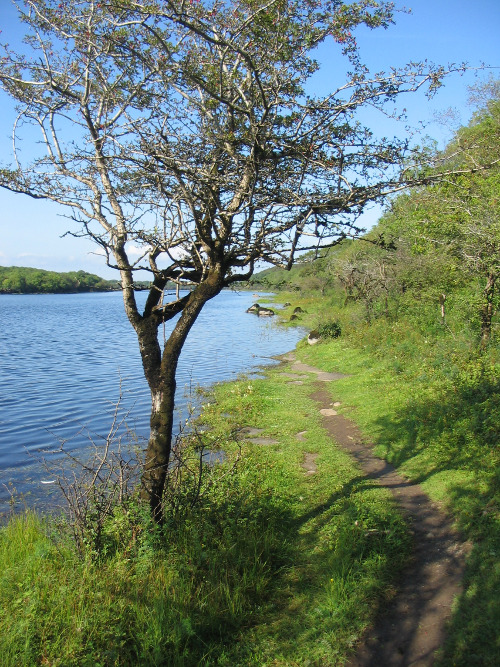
{"x":64,"y":357}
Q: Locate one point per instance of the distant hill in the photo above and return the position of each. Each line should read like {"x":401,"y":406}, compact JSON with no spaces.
{"x":311,"y":267}
{"x":25,"y":280}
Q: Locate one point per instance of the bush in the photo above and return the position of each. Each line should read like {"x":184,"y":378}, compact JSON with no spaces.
{"x":329,"y":330}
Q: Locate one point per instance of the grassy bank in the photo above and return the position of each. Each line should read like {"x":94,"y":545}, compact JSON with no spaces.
{"x":430,"y":402}
{"x":271,"y":566}
{"x":274,"y":566}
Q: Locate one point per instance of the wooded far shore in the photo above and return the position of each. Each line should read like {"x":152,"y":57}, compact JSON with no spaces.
{"x":26,"y":280}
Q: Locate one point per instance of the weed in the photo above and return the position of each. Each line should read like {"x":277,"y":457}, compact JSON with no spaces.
{"x":268,"y":565}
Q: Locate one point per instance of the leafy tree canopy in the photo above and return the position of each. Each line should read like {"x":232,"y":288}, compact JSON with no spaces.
{"x":185,"y":132}
{"x":433,"y":242}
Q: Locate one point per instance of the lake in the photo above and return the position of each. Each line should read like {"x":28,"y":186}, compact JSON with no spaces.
{"x":63,"y":358}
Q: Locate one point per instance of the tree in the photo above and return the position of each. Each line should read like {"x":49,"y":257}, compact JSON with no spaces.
{"x":186,"y":129}
{"x":459,"y":216}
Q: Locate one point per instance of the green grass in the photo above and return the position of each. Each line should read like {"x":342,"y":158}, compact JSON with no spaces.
{"x":348,"y":540}
{"x":271,"y":567}
{"x":432,"y":407}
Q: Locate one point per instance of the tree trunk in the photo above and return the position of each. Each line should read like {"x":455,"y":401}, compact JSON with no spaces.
{"x":162,"y":383}
{"x":487,"y":309}
{"x":159,"y":446}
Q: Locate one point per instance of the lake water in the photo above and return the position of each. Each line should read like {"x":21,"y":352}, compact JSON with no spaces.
{"x":63,"y":357}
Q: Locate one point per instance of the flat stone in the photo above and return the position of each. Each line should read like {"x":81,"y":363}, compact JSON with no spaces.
{"x":323,"y":376}
{"x":288,"y":356}
{"x":250,"y":431}
{"x":328,"y":412}
{"x":251,"y":435}
{"x":336,"y":404}
{"x":300,"y":436}
{"x":309,"y":463}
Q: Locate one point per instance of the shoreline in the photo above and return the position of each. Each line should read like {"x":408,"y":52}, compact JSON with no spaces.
{"x":26,"y":476}
{"x":336,"y":524}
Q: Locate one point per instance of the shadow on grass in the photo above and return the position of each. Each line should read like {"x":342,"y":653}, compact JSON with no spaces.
{"x":248,"y":577}
{"x":279,"y":584}
{"x":452,"y":438}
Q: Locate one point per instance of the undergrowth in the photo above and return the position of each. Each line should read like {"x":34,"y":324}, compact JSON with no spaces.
{"x":271,"y":566}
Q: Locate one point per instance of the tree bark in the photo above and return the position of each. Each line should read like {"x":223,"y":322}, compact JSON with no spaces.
{"x":159,"y":444}
{"x":161,"y":374}
{"x":487,"y":309}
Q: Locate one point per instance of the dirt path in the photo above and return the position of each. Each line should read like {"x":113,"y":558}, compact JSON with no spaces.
{"x":412,"y":627}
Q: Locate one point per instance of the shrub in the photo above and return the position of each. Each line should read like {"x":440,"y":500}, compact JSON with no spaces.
{"x":329,"y":330}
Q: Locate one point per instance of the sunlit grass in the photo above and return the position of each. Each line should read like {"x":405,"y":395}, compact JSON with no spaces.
{"x":272,"y":565}
{"x":432,"y":408}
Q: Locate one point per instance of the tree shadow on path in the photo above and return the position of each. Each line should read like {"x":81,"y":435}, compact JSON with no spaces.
{"x":413,"y":626}
{"x":453,"y":437}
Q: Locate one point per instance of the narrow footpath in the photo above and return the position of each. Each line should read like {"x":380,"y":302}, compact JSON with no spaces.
{"x":411,"y":629}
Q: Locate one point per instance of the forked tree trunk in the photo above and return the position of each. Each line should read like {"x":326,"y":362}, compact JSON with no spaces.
{"x":487,"y":309}
{"x":161,"y":374}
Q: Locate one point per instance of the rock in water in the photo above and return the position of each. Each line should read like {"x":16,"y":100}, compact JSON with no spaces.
{"x":265,"y":312}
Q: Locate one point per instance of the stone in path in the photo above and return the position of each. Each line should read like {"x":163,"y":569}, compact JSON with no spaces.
{"x":309,"y":463}
{"x":412,"y":628}
{"x":322,"y":376}
{"x":288,"y":356}
{"x":250,"y":431}
{"x":252,"y":435}
{"x":262,"y":441}
{"x":294,"y":376}
{"x":299,"y":367}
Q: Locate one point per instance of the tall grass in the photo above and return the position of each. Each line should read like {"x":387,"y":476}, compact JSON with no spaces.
{"x":271,"y":566}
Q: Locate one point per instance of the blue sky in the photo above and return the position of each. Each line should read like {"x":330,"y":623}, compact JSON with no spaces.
{"x":441,"y":31}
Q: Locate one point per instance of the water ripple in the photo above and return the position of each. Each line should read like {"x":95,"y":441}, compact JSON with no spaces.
{"x":64,"y":357}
